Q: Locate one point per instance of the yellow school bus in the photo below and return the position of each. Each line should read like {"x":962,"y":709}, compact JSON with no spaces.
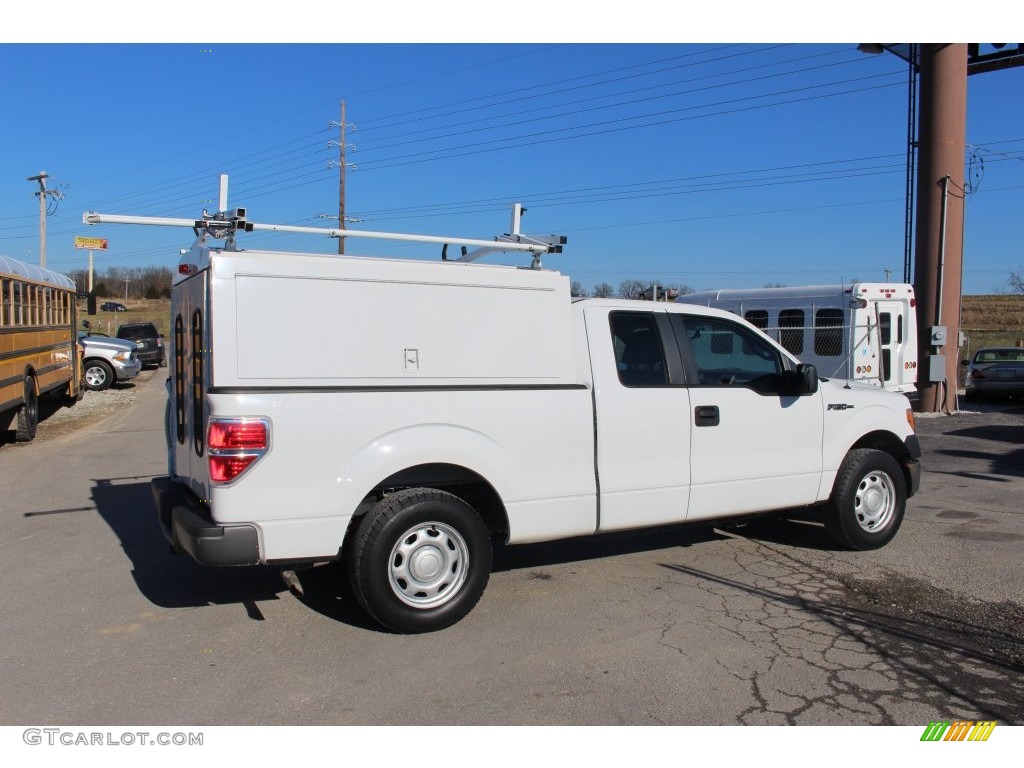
{"x":38,"y":346}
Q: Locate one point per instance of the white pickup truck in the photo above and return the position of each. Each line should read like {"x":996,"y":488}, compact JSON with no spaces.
{"x":401,"y":415}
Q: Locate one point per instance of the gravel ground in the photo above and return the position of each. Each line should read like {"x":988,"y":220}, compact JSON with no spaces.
{"x":57,"y":420}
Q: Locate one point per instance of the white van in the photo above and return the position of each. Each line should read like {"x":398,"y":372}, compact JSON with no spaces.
{"x":865,"y":332}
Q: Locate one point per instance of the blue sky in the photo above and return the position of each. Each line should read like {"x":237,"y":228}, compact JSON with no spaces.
{"x":708,"y":164}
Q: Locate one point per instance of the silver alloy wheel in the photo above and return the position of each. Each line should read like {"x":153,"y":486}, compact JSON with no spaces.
{"x":95,"y":376}
{"x":428,"y":565}
{"x":874,"y":503}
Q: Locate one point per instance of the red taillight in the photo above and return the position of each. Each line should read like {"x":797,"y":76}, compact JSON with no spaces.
{"x":234,"y":445}
{"x":224,"y":469}
{"x":237,"y":435}
{"x":976,"y":374}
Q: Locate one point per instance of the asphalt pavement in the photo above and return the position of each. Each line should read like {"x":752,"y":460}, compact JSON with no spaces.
{"x":762,"y":623}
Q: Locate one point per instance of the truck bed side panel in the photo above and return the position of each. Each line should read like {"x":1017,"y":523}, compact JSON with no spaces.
{"x":330,"y":448}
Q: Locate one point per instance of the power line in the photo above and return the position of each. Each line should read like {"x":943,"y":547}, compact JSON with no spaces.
{"x":634,"y":91}
{"x":411,"y":159}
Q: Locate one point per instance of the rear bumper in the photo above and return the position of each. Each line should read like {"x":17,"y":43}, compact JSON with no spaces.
{"x":186,"y":524}
{"x":150,"y":356}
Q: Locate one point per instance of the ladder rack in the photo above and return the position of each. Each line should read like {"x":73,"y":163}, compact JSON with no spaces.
{"x":224,"y":225}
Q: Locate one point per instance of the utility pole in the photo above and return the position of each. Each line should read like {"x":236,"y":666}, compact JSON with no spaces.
{"x":341,"y":179}
{"x":940,"y":218}
{"x":342,"y":144}
{"x":41,"y":177}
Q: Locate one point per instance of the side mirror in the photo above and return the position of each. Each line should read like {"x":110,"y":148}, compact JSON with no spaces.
{"x":808,"y":378}
{"x":802,"y":381}
{"x":86,"y":324}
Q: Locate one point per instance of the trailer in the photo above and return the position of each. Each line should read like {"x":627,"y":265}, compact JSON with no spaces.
{"x":864,"y":332}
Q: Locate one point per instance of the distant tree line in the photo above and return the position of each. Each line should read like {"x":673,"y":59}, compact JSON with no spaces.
{"x":142,"y":282}
{"x":632,"y":289}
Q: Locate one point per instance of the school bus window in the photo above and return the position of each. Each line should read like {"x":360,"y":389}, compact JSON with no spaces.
{"x":16,"y":303}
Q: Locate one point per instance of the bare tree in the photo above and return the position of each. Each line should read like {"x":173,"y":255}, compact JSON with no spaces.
{"x":1016,"y":281}
{"x":603,"y":291}
{"x":631,"y":289}
{"x":576,"y":289}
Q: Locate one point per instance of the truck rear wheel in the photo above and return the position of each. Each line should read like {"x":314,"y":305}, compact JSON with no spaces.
{"x":420,"y":560}
{"x":868,"y":500}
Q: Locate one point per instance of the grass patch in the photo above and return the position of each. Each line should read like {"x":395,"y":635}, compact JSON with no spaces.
{"x":156,"y":311}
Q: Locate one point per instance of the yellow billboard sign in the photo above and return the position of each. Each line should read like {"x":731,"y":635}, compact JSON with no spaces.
{"x":91,"y":243}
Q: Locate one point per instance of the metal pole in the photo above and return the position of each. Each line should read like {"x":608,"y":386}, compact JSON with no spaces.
{"x":942,"y":244}
{"x":90,"y":271}
{"x":42,"y":224}
{"x":341,"y":180}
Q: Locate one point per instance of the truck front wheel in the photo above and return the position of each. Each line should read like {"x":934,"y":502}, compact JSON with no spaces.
{"x":868,"y":500}
{"x":420,"y":560}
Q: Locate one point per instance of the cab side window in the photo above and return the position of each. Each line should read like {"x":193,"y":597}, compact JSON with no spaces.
{"x":730,"y":355}
{"x":639,"y":355}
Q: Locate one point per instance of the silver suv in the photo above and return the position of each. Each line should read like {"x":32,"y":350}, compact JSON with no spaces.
{"x":107,"y":360}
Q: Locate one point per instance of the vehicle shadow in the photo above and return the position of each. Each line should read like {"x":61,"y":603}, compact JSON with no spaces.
{"x":175,"y":580}
{"x":325,"y":588}
{"x":1009,"y":463}
{"x":514,"y":557}
{"x":801,"y":528}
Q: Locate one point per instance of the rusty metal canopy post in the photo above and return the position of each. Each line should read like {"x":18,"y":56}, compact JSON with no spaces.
{"x":940,"y":220}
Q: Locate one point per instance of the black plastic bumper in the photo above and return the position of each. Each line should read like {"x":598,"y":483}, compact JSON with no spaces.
{"x":187,"y":525}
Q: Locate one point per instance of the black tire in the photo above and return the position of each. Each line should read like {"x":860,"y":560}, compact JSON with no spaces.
{"x":971,"y":396}
{"x":868,"y":500}
{"x":163,"y":361}
{"x":28,"y":414}
{"x":420,"y":560}
{"x":98,"y":375}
